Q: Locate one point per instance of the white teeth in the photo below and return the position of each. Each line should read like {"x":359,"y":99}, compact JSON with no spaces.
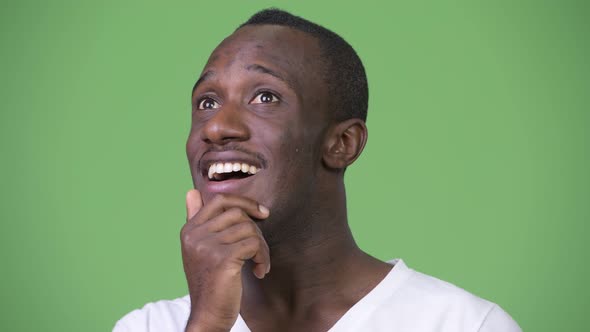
{"x":219,"y":168}
{"x":211,"y":171}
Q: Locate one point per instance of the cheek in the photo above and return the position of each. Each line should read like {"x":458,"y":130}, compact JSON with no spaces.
{"x":193,"y":139}
{"x":293,"y":180}
{"x":295,"y":163}
{"x":191,"y":147}
{"x":293,"y":148}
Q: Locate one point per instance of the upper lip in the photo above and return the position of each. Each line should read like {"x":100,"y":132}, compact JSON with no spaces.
{"x":209,"y":158}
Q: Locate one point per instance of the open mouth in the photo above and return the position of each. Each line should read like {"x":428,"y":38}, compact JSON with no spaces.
{"x":223,"y":171}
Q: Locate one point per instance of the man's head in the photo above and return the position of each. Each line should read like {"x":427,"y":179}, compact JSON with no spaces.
{"x":342,"y":69}
{"x":285,"y":99}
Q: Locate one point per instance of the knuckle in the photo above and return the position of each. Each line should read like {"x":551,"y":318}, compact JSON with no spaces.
{"x":191,"y":233}
{"x":199,"y":248}
{"x":217,"y":256}
{"x":250,"y":228}
{"x":185,"y":234}
{"x":203,"y":249}
{"x":247,"y":227}
{"x":229,"y":235}
{"x":235,"y":212}
{"x":243,"y":228}
{"x":238,"y":230}
{"x":207,"y":254}
{"x":244,"y":248}
{"x":253,"y":241}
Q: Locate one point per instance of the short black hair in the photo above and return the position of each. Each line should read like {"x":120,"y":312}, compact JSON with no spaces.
{"x":345,"y":73}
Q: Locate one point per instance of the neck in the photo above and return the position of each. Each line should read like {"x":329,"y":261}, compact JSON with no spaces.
{"x":303,"y":273}
{"x":314,"y":268}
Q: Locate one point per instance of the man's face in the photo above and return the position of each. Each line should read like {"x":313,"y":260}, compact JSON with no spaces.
{"x":258,"y":119}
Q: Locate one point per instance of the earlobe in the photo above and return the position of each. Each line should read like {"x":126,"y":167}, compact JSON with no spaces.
{"x":344,"y":143}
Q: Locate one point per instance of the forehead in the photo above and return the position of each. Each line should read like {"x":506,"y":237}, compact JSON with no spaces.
{"x":292,"y":53}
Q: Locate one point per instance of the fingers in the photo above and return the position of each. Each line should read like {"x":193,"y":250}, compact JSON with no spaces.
{"x":224,"y":202}
{"x":226,"y":221}
{"x":236,"y":229}
{"x":238,"y":232}
{"x":255,"y":249}
{"x":194,"y":203}
{"x":261,"y":262}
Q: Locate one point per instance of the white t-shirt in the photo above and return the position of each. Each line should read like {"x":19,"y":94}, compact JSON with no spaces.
{"x":404,"y":301}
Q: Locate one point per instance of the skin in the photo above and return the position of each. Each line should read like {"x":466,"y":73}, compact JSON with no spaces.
{"x":274,"y":247}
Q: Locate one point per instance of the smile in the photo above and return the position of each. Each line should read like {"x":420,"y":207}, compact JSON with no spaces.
{"x":221,"y":171}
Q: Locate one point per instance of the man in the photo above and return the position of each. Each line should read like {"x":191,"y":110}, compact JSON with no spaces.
{"x":278,"y":114}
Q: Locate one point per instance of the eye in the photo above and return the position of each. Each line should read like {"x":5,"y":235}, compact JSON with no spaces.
{"x":207,"y":104}
{"x":264,"y":98}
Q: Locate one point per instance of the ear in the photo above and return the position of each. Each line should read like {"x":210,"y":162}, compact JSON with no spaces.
{"x":344,"y":143}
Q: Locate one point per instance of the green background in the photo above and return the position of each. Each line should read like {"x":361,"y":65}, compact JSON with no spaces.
{"x":476,"y":170}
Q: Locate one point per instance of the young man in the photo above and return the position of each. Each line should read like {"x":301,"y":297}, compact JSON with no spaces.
{"x":278,"y":114}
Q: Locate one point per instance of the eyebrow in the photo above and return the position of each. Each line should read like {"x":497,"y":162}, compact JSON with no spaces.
{"x":205,"y":76}
{"x":253,"y":67}
{"x":264,"y":70}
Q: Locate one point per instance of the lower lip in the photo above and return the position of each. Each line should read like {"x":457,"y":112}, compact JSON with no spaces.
{"x":227,"y":186}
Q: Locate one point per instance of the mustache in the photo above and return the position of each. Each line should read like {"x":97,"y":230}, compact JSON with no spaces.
{"x":234,"y":147}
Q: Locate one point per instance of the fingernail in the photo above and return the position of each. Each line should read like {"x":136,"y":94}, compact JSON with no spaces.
{"x":263,"y":209}
{"x":268,"y":269}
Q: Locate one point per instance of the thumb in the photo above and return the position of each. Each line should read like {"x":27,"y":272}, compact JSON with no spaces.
{"x":194,"y":203}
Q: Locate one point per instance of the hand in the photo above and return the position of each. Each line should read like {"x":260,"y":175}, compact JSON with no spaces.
{"x":216,"y":241}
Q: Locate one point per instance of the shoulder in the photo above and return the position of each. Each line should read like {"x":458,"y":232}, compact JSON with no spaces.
{"x":164,"y":315}
{"x":437,"y":291}
{"x":430,"y":299}
{"x":414,"y":286}
{"x":476,"y":312}
{"x":498,"y":320}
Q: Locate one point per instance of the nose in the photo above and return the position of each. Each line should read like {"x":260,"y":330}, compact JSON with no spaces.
{"x":226,"y":125}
